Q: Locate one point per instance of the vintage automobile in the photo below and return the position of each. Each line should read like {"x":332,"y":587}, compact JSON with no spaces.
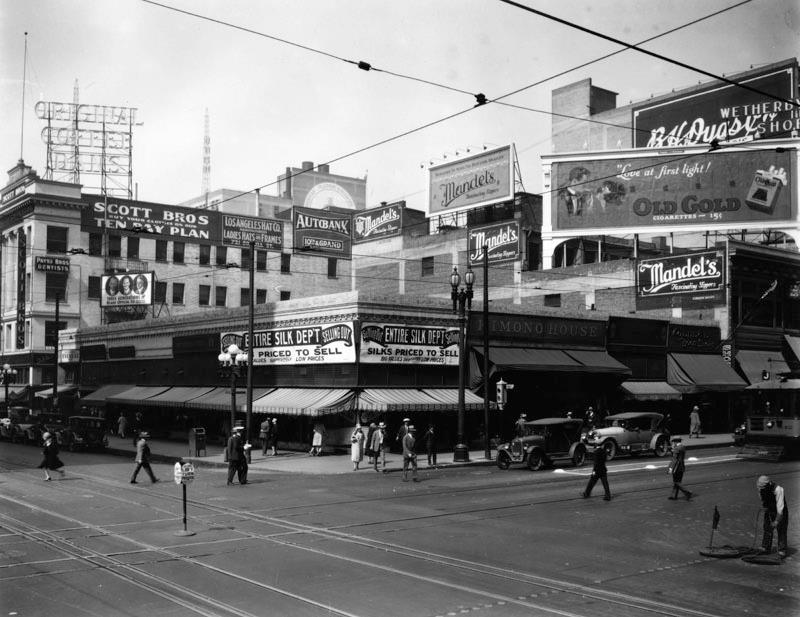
{"x":19,"y":421}
{"x":630,"y":433}
{"x":44,"y":422}
{"x":543,"y":442}
{"x":83,"y":432}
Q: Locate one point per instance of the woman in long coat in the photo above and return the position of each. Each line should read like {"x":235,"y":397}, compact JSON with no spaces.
{"x":50,"y":460}
{"x":694,"y":422}
{"x":357,"y":446}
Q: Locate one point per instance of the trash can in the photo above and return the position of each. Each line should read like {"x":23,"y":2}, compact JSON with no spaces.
{"x":197,"y":441}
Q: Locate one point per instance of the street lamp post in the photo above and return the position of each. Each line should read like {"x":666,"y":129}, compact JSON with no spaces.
{"x":9,"y":375}
{"x":232,"y":362}
{"x":462,"y":304}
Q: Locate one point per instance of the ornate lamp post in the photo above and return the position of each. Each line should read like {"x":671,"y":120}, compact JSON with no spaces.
{"x":9,"y":375}
{"x":232,"y":363}
{"x":462,"y":304}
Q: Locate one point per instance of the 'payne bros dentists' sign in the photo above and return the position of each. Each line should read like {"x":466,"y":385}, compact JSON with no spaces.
{"x":692,"y":280}
{"x":322,"y":233}
{"x":501,"y":241}
{"x":383,"y":343}
{"x":331,"y":343}
{"x":479,"y":180}
{"x":660,"y":191}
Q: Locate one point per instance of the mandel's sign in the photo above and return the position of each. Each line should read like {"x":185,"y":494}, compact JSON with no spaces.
{"x":691,"y":280}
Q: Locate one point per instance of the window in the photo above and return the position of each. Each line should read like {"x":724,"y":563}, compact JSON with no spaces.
{"x":93,"y":292}
{"x":51,"y":332}
{"x":286,"y":263}
{"x":221,"y":294}
{"x":133,"y":248}
{"x":332,"y":262}
{"x":205,"y":254}
{"x":552,"y":300}
{"x":115,"y":246}
{"x":286,"y":295}
{"x":55,"y":284}
{"x":246,"y":259}
{"x":427,"y":266}
{"x":178,"y":291}
{"x":222,"y":255}
{"x":261,"y":261}
{"x":178,"y":252}
{"x":95,"y":244}
{"x":205,"y":294}
{"x":161,"y":292}
{"x":56,"y":239}
{"x":261,"y":296}
{"x":161,"y":250}
{"x":244,"y":296}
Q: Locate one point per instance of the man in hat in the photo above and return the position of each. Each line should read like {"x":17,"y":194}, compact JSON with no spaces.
{"x":236,"y":457}
{"x":776,"y":514}
{"x":519,"y":425}
{"x":378,"y":443}
{"x":409,"y":455}
{"x":143,"y":458}
{"x":403,"y":430}
{"x":676,"y":467}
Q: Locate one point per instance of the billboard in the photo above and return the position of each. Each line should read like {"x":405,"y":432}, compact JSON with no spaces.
{"x":322,"y":233}
{"x":501,"y":241}
{"x":691,"y":281}
{"x":722,"y":111}
{"x":242,"y":230}
{"x":378,"y":223}
{"x":330,"y":343}
{"x":662,"y":191}
{"x":478,"y":180}
{"x":118,"y":290}
{"x":383,"y":343}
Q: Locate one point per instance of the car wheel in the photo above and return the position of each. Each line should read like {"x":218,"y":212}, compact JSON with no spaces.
{"x":535,"y":460}
{"x":661,"y":446}
{"x":610,"y":447}
{"x":579,"y":457}
{"x":503,"y":462}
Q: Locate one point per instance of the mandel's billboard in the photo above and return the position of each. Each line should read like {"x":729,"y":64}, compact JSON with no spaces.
{"x":708,"y":189}
{"x":691,"y":280}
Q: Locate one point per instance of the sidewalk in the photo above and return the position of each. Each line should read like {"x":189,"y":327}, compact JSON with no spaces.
{"x":300,"y":462}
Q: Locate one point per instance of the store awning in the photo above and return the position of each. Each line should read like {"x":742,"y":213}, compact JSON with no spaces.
{"x":531,"y":359}
{"x":134,"y":395}
{"x":776,"y":384}
{"x":699,"y":372}
{"x":754,"y":363}
{"x":415,"y":399}
{"x":599,"y":362}
{"x":794,"y":344}
{"x":98,"y":397}
{"x":449,"y":397}
{"x":176,"y":397}
{"x":219,"y":399}
{"x":63,"y":389}
{"x":305,"y":401}
{"x":650,"y":390}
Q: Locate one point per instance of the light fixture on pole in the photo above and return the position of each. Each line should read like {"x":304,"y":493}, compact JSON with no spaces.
{"x":9,"y":375}
{"x":462,"y":304}
{"x":232,"y":363}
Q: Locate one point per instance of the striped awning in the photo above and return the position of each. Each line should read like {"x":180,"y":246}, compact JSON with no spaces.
{"x":305,"y":401}
{"x":219,"y":399}
{"x":415,"y":399}
{"x":99,"y":396}
{"x":650,"y":390}
{"x":449,"y":397}
{"x":176,"y":397}
{"x":134,"y":395}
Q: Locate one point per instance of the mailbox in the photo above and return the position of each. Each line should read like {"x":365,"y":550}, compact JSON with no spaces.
{"x":197,"y":441}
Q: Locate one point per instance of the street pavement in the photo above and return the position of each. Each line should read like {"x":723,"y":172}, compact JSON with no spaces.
{"x":300,"y":462}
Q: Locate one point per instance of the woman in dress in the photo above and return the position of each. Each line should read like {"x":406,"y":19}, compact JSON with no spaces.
{"x":357,"y":446}
{"x":50,"y":460}
{"x":316,"y":440}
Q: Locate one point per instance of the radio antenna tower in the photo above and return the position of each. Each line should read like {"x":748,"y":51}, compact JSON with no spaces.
{"x":206,"y":159}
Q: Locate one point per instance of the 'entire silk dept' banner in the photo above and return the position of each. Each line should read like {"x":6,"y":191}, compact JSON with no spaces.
{"x":331,"y":343}
{"x":383,"y":343}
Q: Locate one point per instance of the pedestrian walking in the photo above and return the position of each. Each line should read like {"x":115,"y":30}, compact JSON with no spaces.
{"x":430,"y":445}
{"x":599,"y":472}
{"x":368,"y":451}
{"x":409,"y":454}
{"x":676,"y":467}
{"x":694,"y":422}
{"x":143,"y":458}
{"x":317,"y":439}
{"x":263,"y":434}
{"x":122,"y":425}
{"x":590,"y":418}
{"x":273,"y":437}
{"x":519,"y":425}
{"x":776,"y":515}
{"x":379,"y":445}
{"x":236,"y":457}
{"x":357,"y":446}
{"x":402,"y":431}
{"x":50,"y":460}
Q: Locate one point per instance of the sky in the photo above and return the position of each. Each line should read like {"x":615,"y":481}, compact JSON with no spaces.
{"x":273,"y":103}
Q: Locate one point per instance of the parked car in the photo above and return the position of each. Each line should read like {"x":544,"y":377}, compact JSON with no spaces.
{"x":543,"y":442}
{"x":630,"y":433}
{"x":5,"y":423}
{"x":83,"y":432}
{"x":19,"y":421}
{"x":45,"y":422}
{"x":740,"y":434}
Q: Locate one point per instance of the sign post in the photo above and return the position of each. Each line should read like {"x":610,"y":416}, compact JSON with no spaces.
{"x":184,"y":474}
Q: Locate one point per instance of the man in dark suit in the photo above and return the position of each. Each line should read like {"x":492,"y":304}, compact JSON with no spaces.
{"x":599,"y":472}
{"x":237,"y":460}
{"x":143,"y":458}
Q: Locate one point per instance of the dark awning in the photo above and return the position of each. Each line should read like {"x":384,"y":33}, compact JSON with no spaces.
{"x":754,"y":363}
{"x":176,"y":397}
{"x":599,"y":362}
{"x":63,"y":389}
{"x":531,"y":359}
{"x":99,"y":396}
{"x":650,"y":390}
{"x":794,"y":344}
{"x":304,"y":401}
{"x":701,"y":372}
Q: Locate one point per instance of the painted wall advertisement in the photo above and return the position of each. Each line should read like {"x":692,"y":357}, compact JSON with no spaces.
{"x":691,"y":280}
{"x":242,"y":230}
{"x":723,"y":112}
{"x":479,"y":180}
{"x":331,"y":343}
{"x":322,"y":233}
{"x":378,"y":223}
{"x":119,"y":290}
{"x":500,"y":239}
{"x":383,"y":343}
{"x":663,"y":191}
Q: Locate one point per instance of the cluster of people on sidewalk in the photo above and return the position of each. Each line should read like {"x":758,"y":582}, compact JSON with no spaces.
{"x":375,"y":443}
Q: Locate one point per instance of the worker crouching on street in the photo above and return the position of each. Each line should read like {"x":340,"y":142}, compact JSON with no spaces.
{"x":776,"y":514}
